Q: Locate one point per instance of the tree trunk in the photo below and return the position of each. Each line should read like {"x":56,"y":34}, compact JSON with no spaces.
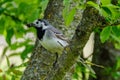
{"x":41,"y":61}
{"x":40,"y":66}
{"x":105,"y":55}
{"x":90,"y":20}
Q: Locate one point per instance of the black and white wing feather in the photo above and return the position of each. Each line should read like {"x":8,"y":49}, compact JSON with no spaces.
{"x":58,"y":34}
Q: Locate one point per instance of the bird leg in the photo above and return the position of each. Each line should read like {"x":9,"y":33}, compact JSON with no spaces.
{"x":54,"y":64}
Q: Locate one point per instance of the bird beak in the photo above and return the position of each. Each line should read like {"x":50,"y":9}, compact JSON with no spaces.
{"x":30,"y":25}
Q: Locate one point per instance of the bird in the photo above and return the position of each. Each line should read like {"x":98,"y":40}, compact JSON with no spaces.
{"x":49,"y":37}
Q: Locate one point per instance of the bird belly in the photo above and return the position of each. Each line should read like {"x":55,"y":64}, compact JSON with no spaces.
{"x":53,"y":45}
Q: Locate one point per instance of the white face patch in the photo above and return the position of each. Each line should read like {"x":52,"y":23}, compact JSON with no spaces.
{"x":44,"y":26}
{"x":37,"y":23}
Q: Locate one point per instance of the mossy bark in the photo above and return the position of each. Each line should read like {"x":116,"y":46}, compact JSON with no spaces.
{"x":40,"y":66}
{"x":41,"y":61}
{"x":90,"y":20}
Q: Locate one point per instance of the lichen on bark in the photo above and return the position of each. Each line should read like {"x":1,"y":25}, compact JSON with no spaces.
{"x":40,"y":66}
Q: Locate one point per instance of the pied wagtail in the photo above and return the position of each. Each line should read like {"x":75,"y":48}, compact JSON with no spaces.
{"x":50,"y":38}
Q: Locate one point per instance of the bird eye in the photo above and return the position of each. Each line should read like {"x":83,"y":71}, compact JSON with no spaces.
{"x":37,"y":22}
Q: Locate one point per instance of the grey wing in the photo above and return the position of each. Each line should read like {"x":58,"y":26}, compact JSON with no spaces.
{"x":55,"y":30}
{"x":58,"y":34}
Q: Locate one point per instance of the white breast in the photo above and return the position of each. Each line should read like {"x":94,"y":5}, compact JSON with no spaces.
{"x":53,"y":44}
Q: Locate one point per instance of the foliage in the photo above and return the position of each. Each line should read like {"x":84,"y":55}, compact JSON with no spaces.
{"x":111,"y":32}
{"x":68,"y":14}
{"x":14,"y":14}
{"x":111,"y":13}
{"x":115,"y":70}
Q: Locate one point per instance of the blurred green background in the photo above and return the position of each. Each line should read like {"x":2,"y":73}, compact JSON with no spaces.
{"x":17,"y":41}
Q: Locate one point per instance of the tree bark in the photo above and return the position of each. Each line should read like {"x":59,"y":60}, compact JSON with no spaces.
{"x":105,"y":55}
{"x":41,"y":61}
{"x":90,"y":20}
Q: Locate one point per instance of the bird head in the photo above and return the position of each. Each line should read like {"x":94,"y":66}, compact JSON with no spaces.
{"x":39,"y":23}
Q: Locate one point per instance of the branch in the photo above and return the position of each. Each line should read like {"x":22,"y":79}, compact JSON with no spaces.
{"x":42,"y":61}
{"x":90,"y":20}
{"x":14,"y":17}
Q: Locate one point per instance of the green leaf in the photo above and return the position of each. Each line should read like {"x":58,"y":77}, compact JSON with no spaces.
{"x":2,"y":24}
{"x":116,"y":31}
{"x":24,"y":64}
{"x":13,"y":54}
{"x":16,"y":45}
{"x":115,"y":38}
{"x":66,"y":2}
{"x":107,"y":10}
{"x":117,"y":45}
{"x":24,"y":7}
{"x":8,"y":62}
{"x":105,"y":34}
{"x":4,"y":52}
{"x":104,"y":2}
{"x":91,"y":3}
{"x":118,"y":63}
{"x":13,"y":77}
{"x":36,"y":14}
{"x":9,"y":35}
{"x":75,"y":76}
{"x":19,"y":30}
{"x":28,"y":49}
{"x":1,"y":10}
{"x":44,"y":4}
{"x":17,"y":72}
{"x":70,"y":17}
{"x":110,"y":11}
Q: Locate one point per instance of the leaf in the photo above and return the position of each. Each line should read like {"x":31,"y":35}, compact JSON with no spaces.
{"x":70,"y":17}
{"x":23,"y":7}
{"x":117,"y":45}
{"x":17,"y":72}
{"x":2,"y":25}
{"x":19,"y":31}
{"x":1,"y":70}
{"x":8,"y":62}
{"x":104,"y":2}
{"x":91,"y":3}
{"x":9,"y":35}
{"x":107,"y":10}
{"x":14,"y":54}
{"x":66,"y":2}
{"x":1,"y":10}
{"x":27,"y":50}
{"x":44,"y":4}
{"x":105,"y":34}
{"x":68,"y":14}
{"x":116,"y":31}
{"x":24,"y":64}
{"x":87,"y":66}
{"x":4,"y":52}
{"x":110,"y":11}
{"x":13,"y":77}
{"x":36,"y":14}
{"x":118,"y":63}
{"x":75,"y":76}
{"x":115,"y":38}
